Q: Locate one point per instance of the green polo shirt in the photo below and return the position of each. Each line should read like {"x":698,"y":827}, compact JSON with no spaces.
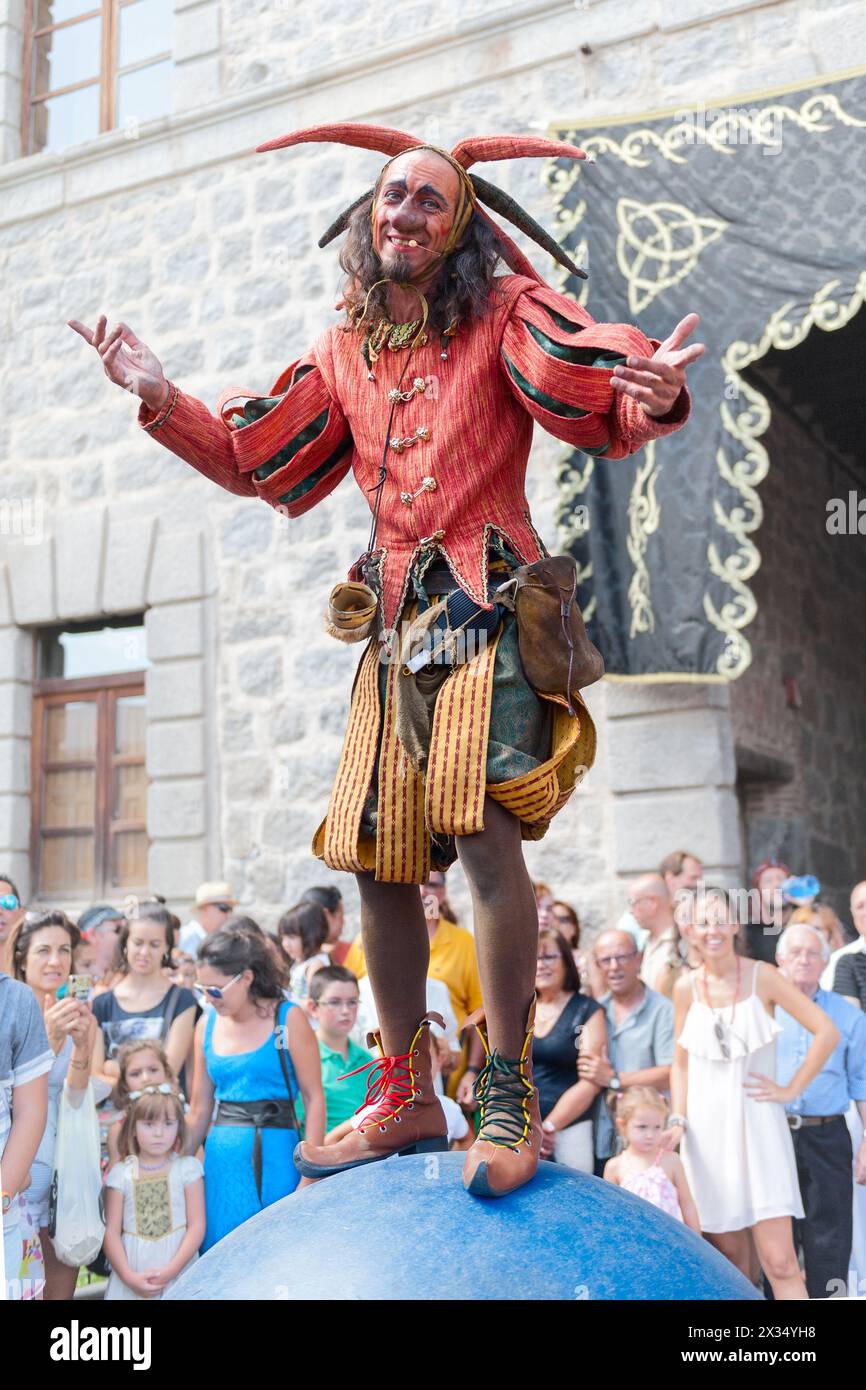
{"x":343,"y":1098}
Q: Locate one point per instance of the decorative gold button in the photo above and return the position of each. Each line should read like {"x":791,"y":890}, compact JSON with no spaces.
{"x":418,"y":387}
{"x":427,"y":485}
{"x":400,"y":442}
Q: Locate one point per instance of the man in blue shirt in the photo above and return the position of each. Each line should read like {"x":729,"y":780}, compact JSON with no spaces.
{"x":822,"y":1143}
{"x":640,"y":1034}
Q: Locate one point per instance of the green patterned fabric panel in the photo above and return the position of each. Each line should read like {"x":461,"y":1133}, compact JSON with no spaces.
{"x":307,"y":484}
{"x":585,"y":357}
{"x":257,"y":409}
{"x":568,"y":412}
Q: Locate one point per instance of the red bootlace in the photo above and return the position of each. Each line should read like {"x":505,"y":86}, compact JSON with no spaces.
{"x":384,"y":1085}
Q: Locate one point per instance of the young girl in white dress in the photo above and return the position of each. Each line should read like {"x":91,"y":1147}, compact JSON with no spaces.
{"x":154,"y":1200}
{"x":728,"y":1109}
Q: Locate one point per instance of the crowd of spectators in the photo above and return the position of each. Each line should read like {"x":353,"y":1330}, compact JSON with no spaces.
{"x":706,"y":1051}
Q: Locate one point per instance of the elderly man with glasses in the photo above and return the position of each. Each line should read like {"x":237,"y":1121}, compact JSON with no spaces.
{"x":822,"y":1143}
{"x":640,"y":1034}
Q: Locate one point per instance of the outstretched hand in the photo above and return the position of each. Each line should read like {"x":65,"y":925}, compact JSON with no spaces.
{"x":655,"y":382}
{"x":127,"y":361}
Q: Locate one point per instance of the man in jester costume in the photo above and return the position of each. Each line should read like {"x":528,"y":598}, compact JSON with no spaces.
{"x":428,"y":393}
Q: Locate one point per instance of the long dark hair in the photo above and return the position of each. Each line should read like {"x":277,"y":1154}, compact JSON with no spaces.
{"x":462,"y":290}
{"x":19,"y":941}
{"x":147,"y":912}
{"x":308,"y":921}
{"x":325,"y":895}
{"x":232,"y":950}
{"x":240,"y":922}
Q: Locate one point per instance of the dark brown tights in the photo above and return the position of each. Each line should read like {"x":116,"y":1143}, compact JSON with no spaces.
{"x":397,"y":950}
{"x":397,"y":953}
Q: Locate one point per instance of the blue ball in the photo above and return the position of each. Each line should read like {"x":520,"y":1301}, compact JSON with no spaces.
{"x":405,"y":1228}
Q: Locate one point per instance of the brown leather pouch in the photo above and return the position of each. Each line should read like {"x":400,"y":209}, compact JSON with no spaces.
{"x":556,"y":653}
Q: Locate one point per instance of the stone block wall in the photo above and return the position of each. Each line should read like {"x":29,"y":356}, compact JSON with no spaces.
{"x":209,"y":253}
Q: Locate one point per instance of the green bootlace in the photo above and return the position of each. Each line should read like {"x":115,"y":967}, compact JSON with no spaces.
{"x":502,"y":1091}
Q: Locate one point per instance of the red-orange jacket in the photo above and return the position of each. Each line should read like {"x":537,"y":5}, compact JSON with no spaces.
{"x":536,"y":355}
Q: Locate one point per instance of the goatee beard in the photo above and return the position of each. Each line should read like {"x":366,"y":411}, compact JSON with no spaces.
{"x":399,"y":270}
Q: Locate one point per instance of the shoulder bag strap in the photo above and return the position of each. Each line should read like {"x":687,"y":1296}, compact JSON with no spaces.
{"x":281,"y":1038}
{"x":172,"y":1002}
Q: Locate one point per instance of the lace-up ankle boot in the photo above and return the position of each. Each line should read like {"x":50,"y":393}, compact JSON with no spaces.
{"x":505,"y":1153}
{"x":401,"y":1113}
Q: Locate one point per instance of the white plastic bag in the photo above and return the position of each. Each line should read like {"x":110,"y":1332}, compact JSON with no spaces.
{"x":79,"y":1226}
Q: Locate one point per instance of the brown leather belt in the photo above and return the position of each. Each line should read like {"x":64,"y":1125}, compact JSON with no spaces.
{"x":798,"y":1121}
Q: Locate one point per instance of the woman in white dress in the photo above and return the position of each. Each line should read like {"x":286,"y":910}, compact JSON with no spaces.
{"x":727,"y":1108}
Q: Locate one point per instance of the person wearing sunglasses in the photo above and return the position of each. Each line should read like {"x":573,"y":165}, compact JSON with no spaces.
{"x":727,"y":1108}
{"x":566,"y":1021}
{"x":256,"y":1059}
{"x":213,"y":906}
{"x":11,"y":913}
{"x":100,"y":927}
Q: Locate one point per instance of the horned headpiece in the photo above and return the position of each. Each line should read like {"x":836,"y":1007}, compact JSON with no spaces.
{"x":473,"y":190}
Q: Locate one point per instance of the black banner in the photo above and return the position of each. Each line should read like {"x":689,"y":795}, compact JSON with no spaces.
{"x":751,"y":212}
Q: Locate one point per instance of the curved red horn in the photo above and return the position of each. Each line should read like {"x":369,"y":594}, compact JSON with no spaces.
{"x":480,"y":148}
{"x":366,"y":137}
{"x":511,"y":252}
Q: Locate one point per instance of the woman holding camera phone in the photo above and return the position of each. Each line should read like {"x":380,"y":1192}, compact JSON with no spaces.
{"x":41,"y":956}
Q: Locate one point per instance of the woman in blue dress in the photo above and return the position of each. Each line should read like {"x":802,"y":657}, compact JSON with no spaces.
{"x":255,"y":1055}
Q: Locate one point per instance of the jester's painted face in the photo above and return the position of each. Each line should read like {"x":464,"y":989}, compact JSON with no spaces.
{"x":416,"y":202}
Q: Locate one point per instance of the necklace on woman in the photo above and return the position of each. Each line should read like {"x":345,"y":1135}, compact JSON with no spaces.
{"x":719,"y":1027}
{"x":151,"y":1167}
{"x":547,"y":1010}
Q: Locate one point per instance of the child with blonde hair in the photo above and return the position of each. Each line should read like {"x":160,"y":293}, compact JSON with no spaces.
{"x":154,"y":1199}
{"x":645,"y":1167}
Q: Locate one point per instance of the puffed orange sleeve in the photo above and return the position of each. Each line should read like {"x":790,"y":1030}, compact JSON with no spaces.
{"x":290,"y":448}
{"x":559,"y":363}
